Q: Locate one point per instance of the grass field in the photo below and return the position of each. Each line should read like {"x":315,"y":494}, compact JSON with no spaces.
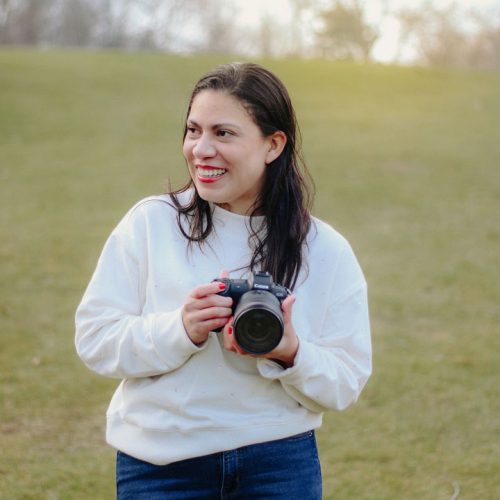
{"x":407,"y":166}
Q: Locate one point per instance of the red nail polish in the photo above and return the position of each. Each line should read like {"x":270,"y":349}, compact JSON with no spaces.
{"x":230,"y":330}
{"x":222,"y":286}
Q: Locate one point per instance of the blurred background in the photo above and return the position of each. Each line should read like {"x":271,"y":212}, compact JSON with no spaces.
{"x":458,"y":33}
{"x":399,"y":106}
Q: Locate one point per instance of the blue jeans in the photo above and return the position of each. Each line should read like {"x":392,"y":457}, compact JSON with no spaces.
{"x":284,"y":469}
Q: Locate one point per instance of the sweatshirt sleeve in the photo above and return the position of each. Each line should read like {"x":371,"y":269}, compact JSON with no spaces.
{"x":113,"y":337}
{"x":331,"y":369}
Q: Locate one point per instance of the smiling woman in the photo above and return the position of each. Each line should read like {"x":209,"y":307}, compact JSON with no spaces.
{"x":257,"y":152}
{"x":197,"y":415}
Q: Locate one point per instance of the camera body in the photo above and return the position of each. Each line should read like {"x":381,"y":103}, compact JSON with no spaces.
{"x":258,"y":320}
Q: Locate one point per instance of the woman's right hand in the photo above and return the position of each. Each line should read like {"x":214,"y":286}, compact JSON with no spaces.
{"x":204,"y":311}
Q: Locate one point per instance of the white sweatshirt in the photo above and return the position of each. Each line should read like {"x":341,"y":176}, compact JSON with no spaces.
{"x":177,"y":400}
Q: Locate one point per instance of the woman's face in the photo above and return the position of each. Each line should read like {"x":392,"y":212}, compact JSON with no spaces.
{"x":226,"y":152}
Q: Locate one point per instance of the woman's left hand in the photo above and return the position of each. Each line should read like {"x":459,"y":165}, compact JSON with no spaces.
{"x":284,"y":353}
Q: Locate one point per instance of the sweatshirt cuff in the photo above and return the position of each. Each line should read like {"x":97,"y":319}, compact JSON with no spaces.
{"x":170,"y":339}
{"x":293,"y":375}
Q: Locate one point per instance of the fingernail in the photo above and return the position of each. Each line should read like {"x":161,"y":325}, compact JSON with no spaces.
{"x":222,"y":286}
{"x":230,"y":330}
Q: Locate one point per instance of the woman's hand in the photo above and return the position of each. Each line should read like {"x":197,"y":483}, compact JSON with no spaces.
{"x":284,"y":353}
{"x":204,"y":311}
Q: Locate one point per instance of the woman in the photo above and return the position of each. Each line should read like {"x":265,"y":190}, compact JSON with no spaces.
{"x":196,"y":416}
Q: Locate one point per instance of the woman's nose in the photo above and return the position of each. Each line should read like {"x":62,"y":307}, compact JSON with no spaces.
{"x":204,"y":147}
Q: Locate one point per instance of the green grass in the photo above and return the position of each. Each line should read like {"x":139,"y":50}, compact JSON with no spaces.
{"x":407,"y":166}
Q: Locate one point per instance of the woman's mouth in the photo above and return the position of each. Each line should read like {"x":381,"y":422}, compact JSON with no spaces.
{"x":209,"y":174}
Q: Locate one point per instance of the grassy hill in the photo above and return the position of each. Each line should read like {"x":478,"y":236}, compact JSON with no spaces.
{"x":407,"y":166}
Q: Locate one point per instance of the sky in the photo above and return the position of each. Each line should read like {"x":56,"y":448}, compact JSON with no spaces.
{"x":250,"y":12}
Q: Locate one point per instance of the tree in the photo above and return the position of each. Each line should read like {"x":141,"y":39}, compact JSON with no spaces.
{"x":74,"y":23}
{"x":220,"y":33}
{"x":265,"y":37}
{"x":6,"y":14}
{"x":24,"y":22}
{"x":442,"y":38}
{"x":484,"y":51}
{"x":345,"y":34}
{"x":303,"y":14}
{"x":163,"y":21}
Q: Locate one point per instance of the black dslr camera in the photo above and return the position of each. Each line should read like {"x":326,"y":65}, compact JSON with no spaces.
{"x":258,"y":321}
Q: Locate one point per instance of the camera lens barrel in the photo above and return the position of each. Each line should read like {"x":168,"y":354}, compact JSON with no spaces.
{"x":258,"y":322}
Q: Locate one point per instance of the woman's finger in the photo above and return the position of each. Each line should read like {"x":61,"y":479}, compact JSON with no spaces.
{"x":210,"y":313}
{"x":287,"y":307}
{"x":193,"y":305}
{"x":202,"y":291}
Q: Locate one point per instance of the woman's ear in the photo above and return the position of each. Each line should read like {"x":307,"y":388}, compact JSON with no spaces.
{"x":277,"y":142}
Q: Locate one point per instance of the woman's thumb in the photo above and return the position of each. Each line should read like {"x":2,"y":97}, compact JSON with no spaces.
{"x":286,"y":307}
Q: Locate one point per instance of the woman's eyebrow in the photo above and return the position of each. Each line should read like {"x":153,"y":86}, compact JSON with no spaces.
{"x":216,"y":126}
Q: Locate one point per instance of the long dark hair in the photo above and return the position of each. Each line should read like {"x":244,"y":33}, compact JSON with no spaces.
{"x":286,"y":197}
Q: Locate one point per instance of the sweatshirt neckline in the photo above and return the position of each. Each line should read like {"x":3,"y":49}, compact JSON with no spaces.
{"x":236,"y":219}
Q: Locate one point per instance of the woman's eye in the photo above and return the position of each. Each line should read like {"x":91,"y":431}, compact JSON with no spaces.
{"x":224,"y":133}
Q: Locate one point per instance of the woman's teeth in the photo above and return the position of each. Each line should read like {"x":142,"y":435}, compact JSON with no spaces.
{"x":212,"y":172}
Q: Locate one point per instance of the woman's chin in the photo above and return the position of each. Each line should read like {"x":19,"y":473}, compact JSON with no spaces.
{"x":210,"y":196}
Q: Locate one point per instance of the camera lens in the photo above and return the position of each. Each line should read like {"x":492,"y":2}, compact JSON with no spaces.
{"x":258,"y":322}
